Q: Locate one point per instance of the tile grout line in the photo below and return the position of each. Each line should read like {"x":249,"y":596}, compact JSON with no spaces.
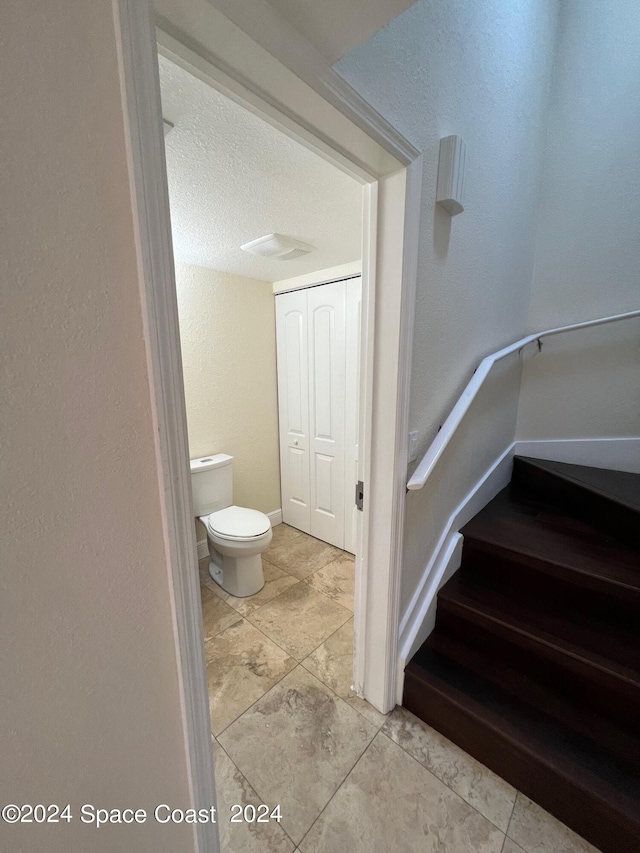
{"x":335,"y":692}
{"x":277,"y":644}
{"x":289,"y":574}
{"x":442,"y":782}
{"x":275,"y":684}
{"x":270,"y":639}
{"x":341,"y":698}
{"x":272,"y":600}
{"x":298,"y":663}
{"x":344,"y":778}
{"x":330,"y":560}
{"x":506,"y":835}
{"x":257,"y":793}
{"x":324,"y":808}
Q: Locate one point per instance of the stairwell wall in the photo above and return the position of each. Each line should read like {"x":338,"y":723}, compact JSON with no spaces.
{"x":481,"y":71}
{"x":587,"y":262}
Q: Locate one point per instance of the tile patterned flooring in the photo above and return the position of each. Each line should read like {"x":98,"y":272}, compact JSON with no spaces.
{"x":288,"y":729}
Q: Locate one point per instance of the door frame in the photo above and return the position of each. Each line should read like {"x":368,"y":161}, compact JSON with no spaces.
{"x":358,"y":140}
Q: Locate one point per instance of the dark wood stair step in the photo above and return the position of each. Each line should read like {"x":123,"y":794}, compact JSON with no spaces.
{"x":519,"y":534}
{"x":546,"y":587}
{"x":539,"y":689}
{"x":603,"y":657}
{"x":581,"y":785}
{"x":608,"y":499}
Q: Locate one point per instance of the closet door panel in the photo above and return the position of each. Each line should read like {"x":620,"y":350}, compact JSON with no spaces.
{"x":326,"y":330}
{"x":293,"y":407}
{"x":352,"y":414}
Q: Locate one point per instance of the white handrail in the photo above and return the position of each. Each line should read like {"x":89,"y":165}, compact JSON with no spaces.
{"x":438,"y":445}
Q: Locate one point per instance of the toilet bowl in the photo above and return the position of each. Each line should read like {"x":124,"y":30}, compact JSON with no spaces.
{"x":237,"y":536}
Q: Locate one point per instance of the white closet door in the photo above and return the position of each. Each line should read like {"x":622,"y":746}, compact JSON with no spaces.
{"x":352,"y":414}
{"x":327,"y":319}
{"x":293,"y":406}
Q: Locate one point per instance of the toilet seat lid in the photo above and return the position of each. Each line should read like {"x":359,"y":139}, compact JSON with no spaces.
{"x":238,"y":522}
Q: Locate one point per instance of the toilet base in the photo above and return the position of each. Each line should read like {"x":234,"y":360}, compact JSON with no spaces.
{"x":239,"y":576}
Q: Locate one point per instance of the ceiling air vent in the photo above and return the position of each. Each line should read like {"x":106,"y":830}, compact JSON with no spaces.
{"x":277,"y":246}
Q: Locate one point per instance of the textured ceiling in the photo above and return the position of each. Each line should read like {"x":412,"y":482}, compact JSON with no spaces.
{"x":234,"y":178}
{"x":334,"y":27}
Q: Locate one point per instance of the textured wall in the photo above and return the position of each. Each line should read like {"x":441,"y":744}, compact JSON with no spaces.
{"x":335,"y":27}
{"x":228,"y":334}
{"x":480,"y":70}
{"x":587,"y":259}
{"x":90,"y":707}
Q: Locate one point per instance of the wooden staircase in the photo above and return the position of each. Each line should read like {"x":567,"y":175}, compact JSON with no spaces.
{"x":534,"y":663}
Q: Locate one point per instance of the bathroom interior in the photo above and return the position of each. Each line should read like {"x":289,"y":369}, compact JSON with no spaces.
{"x":270,"y":337}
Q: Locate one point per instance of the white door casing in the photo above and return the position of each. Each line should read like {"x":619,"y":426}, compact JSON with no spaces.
{"x":327,"y":116}
{"x":293,"y":408}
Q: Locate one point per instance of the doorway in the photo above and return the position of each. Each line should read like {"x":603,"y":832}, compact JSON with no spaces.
{"x":231,"y":179}
{"x":391,"y":173}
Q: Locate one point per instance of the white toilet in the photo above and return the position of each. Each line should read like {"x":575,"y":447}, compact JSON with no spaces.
{"x":237,"y":536}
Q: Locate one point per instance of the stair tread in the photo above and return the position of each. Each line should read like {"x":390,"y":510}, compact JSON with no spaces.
{"x":597,"y":644}
{"x":534,"y":663}
{"x":546,"y":740}
{"x":621,"y":487}
{"x":535,"y":692}
{"x":524,"y":528}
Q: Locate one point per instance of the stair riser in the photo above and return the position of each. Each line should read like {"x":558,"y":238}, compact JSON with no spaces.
{"x":533,"y":483}
{"x":578,"y":808}
{"x":541,"y":581}
{"x":600,"y":687}
{"x":490,"y":649}
{"x":533,"y":666}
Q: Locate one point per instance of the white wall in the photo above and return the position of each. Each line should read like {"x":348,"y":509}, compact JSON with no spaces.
{"x":228,"y":336}
{"x":317,"y":277}
{"x":90,"y":708}
{"x":335,"y":27}
{"x":480,"y":70}
{"x":587,"y":258}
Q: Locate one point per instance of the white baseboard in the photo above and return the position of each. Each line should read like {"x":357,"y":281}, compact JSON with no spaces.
{"x":274,"y":517}
{"x":419,"y":618}
{"x":619,"y":454}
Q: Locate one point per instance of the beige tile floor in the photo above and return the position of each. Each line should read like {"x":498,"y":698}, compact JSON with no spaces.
{"x":289,"y":730}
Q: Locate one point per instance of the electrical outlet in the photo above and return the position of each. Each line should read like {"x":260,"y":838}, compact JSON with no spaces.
{"x":413,"y":446}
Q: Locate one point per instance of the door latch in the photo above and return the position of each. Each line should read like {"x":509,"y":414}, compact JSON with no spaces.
{"x":359,"y":495}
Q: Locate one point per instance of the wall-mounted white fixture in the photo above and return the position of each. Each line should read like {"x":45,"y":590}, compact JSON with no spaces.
{"x":277,"y":246}
{"x":413,"y":445}
{"x":167,"y":125}
{"x":450,"y":189}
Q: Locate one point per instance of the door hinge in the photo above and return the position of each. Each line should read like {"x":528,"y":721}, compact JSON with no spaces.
{"x":359,"y":495}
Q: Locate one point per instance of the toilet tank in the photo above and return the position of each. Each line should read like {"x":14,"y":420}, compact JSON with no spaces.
{"x":211,"y":483}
